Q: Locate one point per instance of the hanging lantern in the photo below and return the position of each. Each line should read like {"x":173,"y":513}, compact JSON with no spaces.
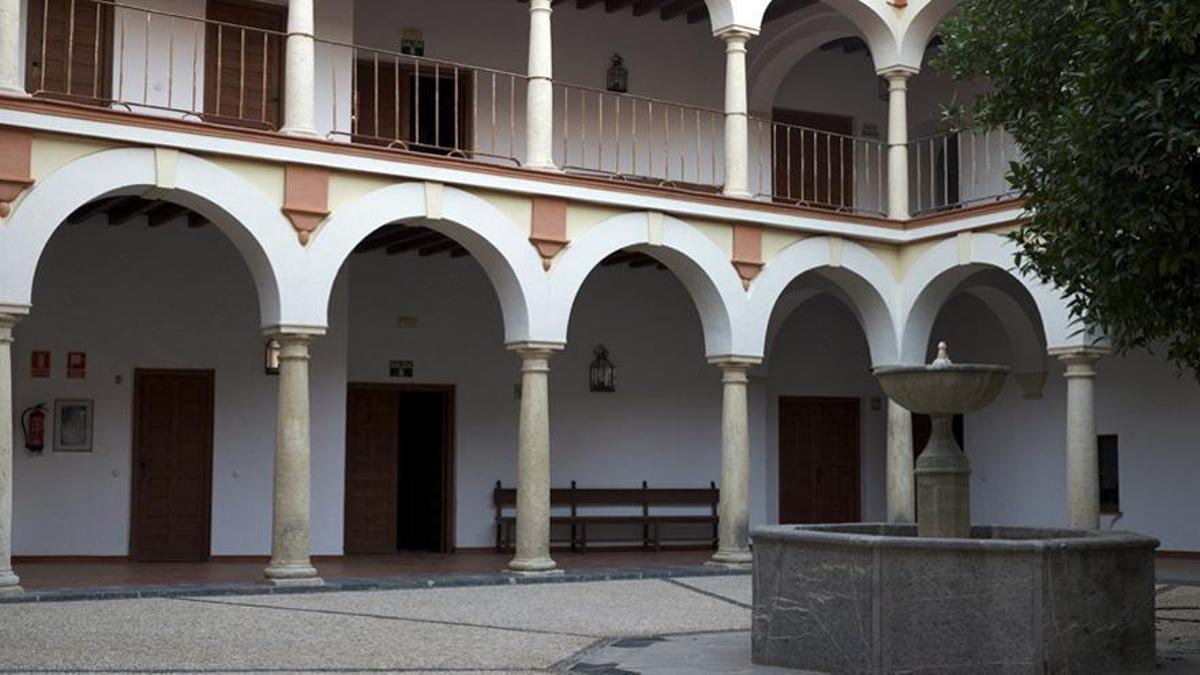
{"x":603,"y":373}
{"x":272,"y":356}
{"x":618,"y":75}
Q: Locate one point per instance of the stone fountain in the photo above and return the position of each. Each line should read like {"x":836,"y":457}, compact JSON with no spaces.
{"x":943,"y":595}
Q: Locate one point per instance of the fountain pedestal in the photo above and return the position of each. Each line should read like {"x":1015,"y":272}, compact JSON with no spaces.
{"x":943,"y":477}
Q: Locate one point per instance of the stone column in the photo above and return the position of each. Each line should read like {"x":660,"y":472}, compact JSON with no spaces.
{"x":734,"y":510}
{"x":299,"y":106}
{"x":1083,"y":461}
{"x":898,"y":142}
{"x":533,"y":463}
{"x":737,"y":120}
{"x":9,"y":583}
{"x":290,"y":564}
{"x":12,"y":81}
{"x":900,"y":486}
{"x":539,"y":109}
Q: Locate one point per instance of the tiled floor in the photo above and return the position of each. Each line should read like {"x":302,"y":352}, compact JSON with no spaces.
{"x":64,"y":573}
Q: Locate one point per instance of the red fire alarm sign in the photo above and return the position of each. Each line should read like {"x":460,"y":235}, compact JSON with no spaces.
{"x":77,"y":365}
{"x":39,"y":364}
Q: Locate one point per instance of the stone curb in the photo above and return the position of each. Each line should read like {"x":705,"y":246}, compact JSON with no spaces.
{"x":344,"y":584}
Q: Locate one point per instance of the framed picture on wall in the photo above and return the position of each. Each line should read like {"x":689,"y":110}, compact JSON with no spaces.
{"x":73,"y":425}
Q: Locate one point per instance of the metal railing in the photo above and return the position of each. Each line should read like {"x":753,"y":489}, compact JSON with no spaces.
{"x":819,"y":169}
{"x":151,"y":61}
{"x":412,"y":103}
{"x":959,"y":169}
{"x":640,"y":139}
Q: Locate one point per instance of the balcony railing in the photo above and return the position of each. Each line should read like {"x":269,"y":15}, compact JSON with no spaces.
{"x":639,"y":139}
{"x":959,"y":169}
{"x":819,"y":169}
{"x":416,"y":104}
{"x":155,"y":62}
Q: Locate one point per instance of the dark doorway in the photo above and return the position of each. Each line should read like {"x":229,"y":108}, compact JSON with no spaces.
{"x":399,"y":469}
{"x":68,"y":50}
{"x":819,"y":463}
{"x":421,"y":106}
{"x":172,"y":465}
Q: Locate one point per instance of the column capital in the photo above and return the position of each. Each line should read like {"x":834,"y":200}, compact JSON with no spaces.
{"x":1079,"y":360}
{"x":735,"y":364}
{"x":534,"y":348}
{"x":7,"y":321}
{"x":735,"y":34}
{"x":540,"y":6}
{"x":897,"y":73}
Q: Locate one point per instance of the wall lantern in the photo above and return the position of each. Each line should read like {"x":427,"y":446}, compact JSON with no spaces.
{"x":618,"y":75}
{"x":272,"y":356}
{"x":603,"y":373}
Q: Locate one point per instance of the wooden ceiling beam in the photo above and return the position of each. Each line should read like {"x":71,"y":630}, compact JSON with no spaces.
{"x":446,"y":244}
{"x":128,"y":209}
{"x":390,"y":234}
{"x":428,"y":238}
{"x":643,"y":7}
{"x":92,"y":208}
{"x":164,"y":213}
{"x":678,"y":8}
{"x":781,"y":8}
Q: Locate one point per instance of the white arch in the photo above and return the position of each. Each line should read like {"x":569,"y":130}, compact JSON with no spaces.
{"x":1025,"y":336}
{"x":773,"y":57}
{"x":862,"y":280}
{"x":256,"y":227}
{"x":896,"y":36}
{"x":941,"y":270}
{"x":496,"y":242}
{"x":699,"y":264}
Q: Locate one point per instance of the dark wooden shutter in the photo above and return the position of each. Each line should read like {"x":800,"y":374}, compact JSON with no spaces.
{"x":68,"y":52}
{"x":372,"y":439}
{"x":243,"y":63}
{"x":810,"y":167}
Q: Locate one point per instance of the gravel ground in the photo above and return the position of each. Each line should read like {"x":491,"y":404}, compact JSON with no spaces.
{"x":688,"y":625}
{"x":489,"y":629}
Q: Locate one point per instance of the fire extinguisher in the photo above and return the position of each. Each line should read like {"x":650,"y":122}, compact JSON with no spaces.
{"x":33,"y":424}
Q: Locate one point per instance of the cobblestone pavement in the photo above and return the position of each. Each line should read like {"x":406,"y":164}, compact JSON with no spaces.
{"x":682,"y":625}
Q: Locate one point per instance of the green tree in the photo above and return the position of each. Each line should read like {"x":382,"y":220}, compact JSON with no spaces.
{"x":1103,"y":97}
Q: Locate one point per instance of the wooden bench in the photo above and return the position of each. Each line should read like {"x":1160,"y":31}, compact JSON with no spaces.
{"x":645,"y":498}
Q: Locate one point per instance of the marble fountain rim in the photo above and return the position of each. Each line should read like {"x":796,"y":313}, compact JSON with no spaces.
{"x":1054,"y":539}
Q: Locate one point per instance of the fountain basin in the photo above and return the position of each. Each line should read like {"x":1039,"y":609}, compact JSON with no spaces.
{"x":875,"y":598}
{"x":952,"y":389}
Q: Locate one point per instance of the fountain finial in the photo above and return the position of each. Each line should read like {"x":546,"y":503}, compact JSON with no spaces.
{"x":943,"y":356}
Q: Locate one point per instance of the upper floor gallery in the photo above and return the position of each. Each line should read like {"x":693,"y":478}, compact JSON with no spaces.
{"x":794,"y":104}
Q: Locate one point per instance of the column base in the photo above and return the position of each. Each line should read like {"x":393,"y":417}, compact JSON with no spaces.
{"x":737,"y":194}
{"x":291,"y":575}
{"x":303,"y":132}
{"x":10,"y":586}
{"x":532,"y":567}
{"x":551,"y":167}
{"x":738,"y":559}
{"x":17,"y":92}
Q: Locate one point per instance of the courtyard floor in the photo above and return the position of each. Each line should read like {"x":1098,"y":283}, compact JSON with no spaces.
{"x":682,"y":624}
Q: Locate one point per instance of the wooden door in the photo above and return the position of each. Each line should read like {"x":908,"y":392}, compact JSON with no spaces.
{"x":372,"y":439}
{"x":818,"y":460}
{"x":68,"y":50}
{"x":172,"y":465}
{"x":813,"y":167}
{"x":243,"y":63}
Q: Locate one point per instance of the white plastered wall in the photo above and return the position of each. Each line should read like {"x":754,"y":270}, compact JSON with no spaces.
{"x":168,"y":297}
